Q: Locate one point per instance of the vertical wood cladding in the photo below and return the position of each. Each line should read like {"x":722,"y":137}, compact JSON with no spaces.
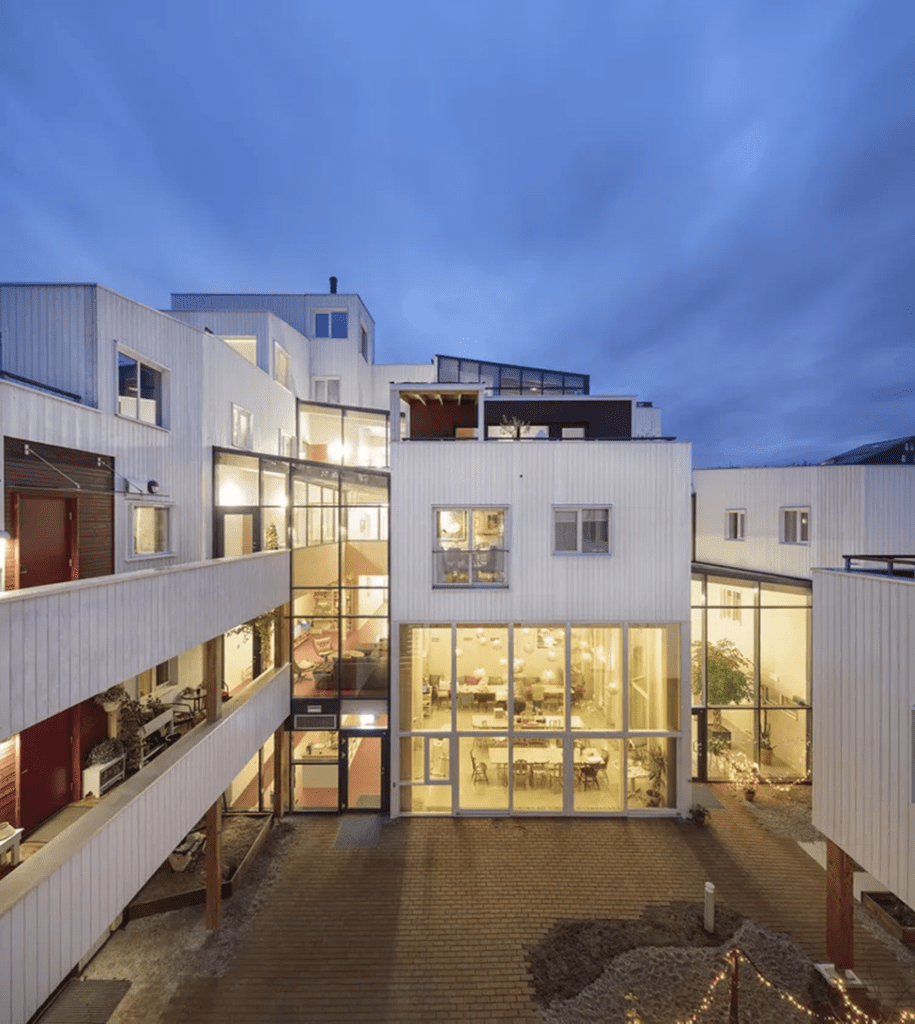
{"x":93,"y":499}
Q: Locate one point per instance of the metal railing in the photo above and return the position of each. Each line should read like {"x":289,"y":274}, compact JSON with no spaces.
{"x":487,"y":567}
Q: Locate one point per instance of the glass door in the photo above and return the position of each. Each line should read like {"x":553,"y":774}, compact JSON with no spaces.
{"x":363,"y":770}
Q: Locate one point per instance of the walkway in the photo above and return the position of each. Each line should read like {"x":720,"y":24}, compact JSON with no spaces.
{"x":433,"y":923}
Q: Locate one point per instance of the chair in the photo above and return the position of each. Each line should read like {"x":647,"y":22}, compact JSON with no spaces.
{"x":541,"y":775}
{"x":522,"y":773}
{"x":552,"y":703}
{"x":589,"y":775}
{"x":602,"y":767}
{"x":479,"y":770}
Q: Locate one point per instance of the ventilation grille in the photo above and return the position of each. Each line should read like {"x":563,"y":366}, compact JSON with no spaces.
{"x":310,"y":723}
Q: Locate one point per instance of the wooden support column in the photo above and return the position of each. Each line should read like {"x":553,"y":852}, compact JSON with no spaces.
{"x":280,"y":772}
{"x":840,"y":903}
{"x":214,"y":865}
{"x":281,"y":650}
{"x":212,"y":676}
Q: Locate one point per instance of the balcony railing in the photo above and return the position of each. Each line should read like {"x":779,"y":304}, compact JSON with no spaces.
{"x":487,"y":567}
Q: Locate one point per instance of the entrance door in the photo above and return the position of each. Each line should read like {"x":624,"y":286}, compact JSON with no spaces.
{"x":45,"y":769}
{"x":45,"y":540}
{"x":699,"y":763}
{"x":363,"y":771}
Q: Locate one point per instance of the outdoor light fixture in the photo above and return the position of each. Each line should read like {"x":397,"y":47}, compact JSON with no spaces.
{"x":153,"y":486}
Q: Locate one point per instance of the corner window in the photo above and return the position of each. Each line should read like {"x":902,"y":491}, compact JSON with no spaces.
{"x":583,"y":531}
{"x":327,"y":389}
{"x":795,"y":525}
{"x":470,"y":547}
{"x":139,"y":390}
{"x":244,"y":344}
{"x":333,"y":324}
{"x":280,"y":365}
{"x":734,"y":523}
{"x":242,"y":427}
{"x":149,"y":533}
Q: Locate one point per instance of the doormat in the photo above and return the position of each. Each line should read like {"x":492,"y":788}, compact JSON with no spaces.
{"x":706,"y":798}
{"x":357,"y":831}
{"x":85,"y":1002}
{"x":63,"y":819}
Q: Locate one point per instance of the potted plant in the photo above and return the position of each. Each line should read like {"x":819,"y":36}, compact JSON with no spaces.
{"x":744,"y":774}
{"x":729,"y":680}
{"x":112,"y":698}
{"x":765,"y":744}
{"x":656,"y":762}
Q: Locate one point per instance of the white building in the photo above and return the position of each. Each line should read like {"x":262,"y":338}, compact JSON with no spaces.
{"x":170,"y":476}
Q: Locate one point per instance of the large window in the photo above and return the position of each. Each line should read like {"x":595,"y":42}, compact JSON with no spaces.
{"x":795,"y":525}
{"x":332,"y":324}
{"x":470,"y":547}
{"x":149,"y":535}
{"x":584,"y":531}
{"x":139,"y":390}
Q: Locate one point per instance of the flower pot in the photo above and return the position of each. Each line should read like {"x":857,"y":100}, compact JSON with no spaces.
{"x":765,"y":755}
{"x":750,"y":794}
{"x":111,"y":706}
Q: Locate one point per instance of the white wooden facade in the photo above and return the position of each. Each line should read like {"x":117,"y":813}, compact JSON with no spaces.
{"x":853,"y":510}
{"x":61,"y":901}
{"x":70,"y":641}
{"x":646,"y":483}
{"x":864,"y":733}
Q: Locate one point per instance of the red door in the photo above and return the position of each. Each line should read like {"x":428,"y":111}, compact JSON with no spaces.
{"x":44,"y":541}
{"x":44,"y":769}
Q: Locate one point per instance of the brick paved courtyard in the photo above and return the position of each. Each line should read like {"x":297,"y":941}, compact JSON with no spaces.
{"x":434,"y":922}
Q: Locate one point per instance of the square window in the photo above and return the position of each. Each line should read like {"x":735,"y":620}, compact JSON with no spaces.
{"x":333,"y":324}
{"x":242,"y":427}
{"x":584,"y":531}
{"x":139,"y":390}
{"x":470,"y":547}
{"x":149,"y":535}
{"x":795,"y":526}
{"x":327,"y":389}
{"x":734,"y":524}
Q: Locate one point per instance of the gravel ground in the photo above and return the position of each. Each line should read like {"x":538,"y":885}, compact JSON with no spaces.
{"x":661,"y":985}
{"x":155,"y":953}
{"x":784,"y":810}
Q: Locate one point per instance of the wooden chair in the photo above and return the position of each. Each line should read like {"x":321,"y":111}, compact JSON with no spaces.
{"x":522,"y":773}
{"x":479,"y":770}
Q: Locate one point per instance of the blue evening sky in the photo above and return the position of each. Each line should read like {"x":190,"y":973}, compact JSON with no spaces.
{"x":707,"y":204}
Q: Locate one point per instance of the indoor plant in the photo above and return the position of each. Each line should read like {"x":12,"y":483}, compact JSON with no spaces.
{"x":765,"y":744}
{"x":729,"y":680}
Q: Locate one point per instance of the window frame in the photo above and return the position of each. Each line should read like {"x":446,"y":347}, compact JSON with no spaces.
{"x":142,"y":362}
{"x":468,"y":540}
{"x":579,"y":522}
{"x":736,"y":528}
{"x":325,"y":381}
{"x":133,"y":507}
{"x":237,"y":411}
{"x":796,"y":512}
{"x":280,"y":355}
{"x":329,"y":312}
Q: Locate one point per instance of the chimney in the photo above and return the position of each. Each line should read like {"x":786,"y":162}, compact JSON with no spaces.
{"x":333,"y":286}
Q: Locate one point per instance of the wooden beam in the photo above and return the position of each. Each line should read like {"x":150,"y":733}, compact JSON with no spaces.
{"x":280,"y":772}
{"x":214,"y":865}
{"x":840,"y":905}
{"x":212,"y":676}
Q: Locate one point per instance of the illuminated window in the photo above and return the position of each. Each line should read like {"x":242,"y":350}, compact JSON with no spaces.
{"x":244,"y":344}
{"x":281,"y":365}
{"x":242,"y":427}
{"x":149,"y":535}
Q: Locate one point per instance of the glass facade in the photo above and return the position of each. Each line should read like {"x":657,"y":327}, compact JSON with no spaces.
{"x":751,"y":647}
{"x":341,"y":436}
{"x":505,"y":379}
{"x":538,"y":718}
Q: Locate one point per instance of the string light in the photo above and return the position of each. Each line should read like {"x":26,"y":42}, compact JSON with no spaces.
{"x":737,"y":954}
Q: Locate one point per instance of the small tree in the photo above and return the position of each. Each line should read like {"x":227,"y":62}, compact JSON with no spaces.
{"x":729,"y":674}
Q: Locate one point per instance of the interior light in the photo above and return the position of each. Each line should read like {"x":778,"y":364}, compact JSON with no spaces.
{"x":367,"y":719}
{"x":229,"y":493}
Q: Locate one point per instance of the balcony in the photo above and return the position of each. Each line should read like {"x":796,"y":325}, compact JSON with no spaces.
{"x":64,"y":643}
{"x":59,"y":902}
{"x":484,"y":568}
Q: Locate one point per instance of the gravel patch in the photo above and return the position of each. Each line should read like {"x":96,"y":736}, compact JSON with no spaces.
{"x":659,"y":984}
{"x":785,"y":810}
{"x":156,"y":953}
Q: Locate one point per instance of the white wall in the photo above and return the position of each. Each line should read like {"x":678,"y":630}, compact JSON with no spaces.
{"x":64,"y":643}
{"x":646,"y":578}
{"x":60,"y":902}
{"x":864,"y":660}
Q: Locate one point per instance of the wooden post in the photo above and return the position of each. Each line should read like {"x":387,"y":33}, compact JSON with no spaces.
{"x":212,"y":676}
{"x":280,"y":773}
{"x":840,"y":905}
{"x":281,"y":650}
{"x":214,"y":865}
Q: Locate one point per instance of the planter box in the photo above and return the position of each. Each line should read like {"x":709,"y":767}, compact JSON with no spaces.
{"x":195,"y":897}
{"x":870,"y":904}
